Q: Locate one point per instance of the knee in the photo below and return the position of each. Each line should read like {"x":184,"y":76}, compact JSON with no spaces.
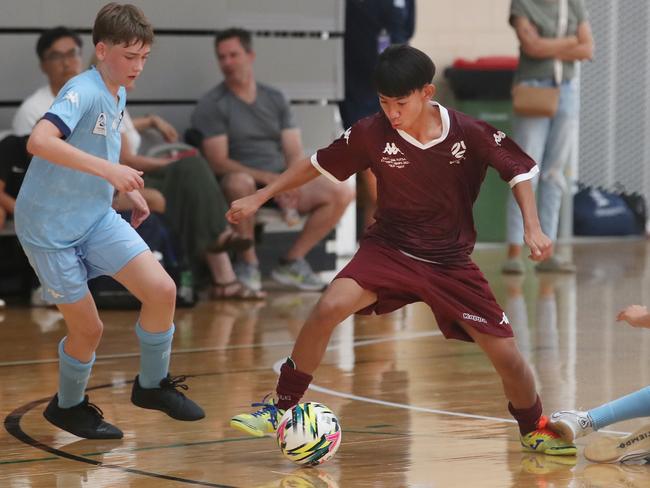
{"x":90,"y":334}
{"x":163,"y":294}
{"x":237,"y":185}
{"x":328,"y":313}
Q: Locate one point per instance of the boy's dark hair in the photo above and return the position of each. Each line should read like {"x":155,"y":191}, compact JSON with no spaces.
{"x":243,"y":35}
{"x":122,"y":24}
{"x":50,"y":36}
{"x":402,"y":69}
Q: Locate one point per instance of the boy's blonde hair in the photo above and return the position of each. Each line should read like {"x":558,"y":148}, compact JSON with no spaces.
{"x":122,"y":24}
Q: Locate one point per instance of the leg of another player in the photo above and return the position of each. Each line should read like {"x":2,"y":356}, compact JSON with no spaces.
{"x":77,"y":349}
{"x":342,"y":298}
{"x":70,"y":409}
{"x":516,"y":375}
{"x":519,"y":386}
{"x":153,"y":388}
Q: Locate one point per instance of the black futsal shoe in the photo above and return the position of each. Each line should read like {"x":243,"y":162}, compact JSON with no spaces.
{"x":84,"y":420}
{"x":167,"y":398}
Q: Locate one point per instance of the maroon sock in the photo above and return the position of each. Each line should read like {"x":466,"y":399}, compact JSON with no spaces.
{"x":527,"y":417}
{"x":291,"y":385}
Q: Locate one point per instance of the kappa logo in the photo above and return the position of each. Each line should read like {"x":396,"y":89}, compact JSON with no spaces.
{"x":346,"y":135}
{"x":475,"y":318}
{"x":391,"y":149}
{"x":73,"y":97}
{"x":100,"y":125}
{"x":458,"y":151}
{"x":498,"y":137}
{"x":504,"y":320}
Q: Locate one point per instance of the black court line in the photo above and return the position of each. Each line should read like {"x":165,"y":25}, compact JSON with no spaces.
{"x":12,"y":425}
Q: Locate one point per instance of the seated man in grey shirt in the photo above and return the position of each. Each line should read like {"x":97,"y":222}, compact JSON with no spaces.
{"x":249,"y":138}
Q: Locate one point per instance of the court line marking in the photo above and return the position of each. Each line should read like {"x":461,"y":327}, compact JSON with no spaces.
{"x":106,"y":357}
{"x":406,"y":406}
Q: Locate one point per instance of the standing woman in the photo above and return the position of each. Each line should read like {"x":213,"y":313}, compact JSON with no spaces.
{"x":553,"y":35}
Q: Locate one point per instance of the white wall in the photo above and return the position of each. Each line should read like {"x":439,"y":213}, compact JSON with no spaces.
{"x":446,"y":30}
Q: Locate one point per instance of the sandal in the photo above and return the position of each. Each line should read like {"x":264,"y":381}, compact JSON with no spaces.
{"x":231,"y":242}
{"x":235,"y":290}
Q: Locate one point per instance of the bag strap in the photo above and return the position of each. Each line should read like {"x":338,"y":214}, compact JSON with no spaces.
{"x":562,"y":26}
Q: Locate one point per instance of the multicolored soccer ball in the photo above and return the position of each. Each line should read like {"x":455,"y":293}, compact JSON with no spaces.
{"x":309,"y":434}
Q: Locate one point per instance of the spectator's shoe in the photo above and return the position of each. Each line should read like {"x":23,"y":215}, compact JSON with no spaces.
{"x":555,"y":265}
{"x":264,"y":421}
{"x":84,"y":420}
{"x":571,"y":424}
{"x":633,"y":448}
{"x":36,"y":299}
{"x":298,"y":274}
{"x":248,"y":274}
{"x":513,"y":266}
{"x":167,"y":399}
{"x":545,"y":441}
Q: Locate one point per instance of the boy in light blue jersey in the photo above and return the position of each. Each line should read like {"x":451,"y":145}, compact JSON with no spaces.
{"x":70,"y":233}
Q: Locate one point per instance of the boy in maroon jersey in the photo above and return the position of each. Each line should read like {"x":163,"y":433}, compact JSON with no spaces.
{"x":429,"y":162}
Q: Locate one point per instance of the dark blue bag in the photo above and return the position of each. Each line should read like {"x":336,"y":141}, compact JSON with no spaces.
{"x":597,"y":212}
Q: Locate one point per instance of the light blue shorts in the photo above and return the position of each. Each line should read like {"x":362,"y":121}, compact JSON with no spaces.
{"x":64,"y":273}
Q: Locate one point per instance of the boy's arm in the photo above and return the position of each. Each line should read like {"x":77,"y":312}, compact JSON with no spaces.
{"x":296,"y":175}
{"x":46,"y":143}
{"x":540,"y":245}
{"x":635,"y":315}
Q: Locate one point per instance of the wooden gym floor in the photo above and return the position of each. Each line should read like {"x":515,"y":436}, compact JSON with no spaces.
{"x":416,"y":410}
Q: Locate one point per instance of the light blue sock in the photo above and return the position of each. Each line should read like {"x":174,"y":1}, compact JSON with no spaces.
{"x":631,"y":406}
{"x":73,"y":378}
{"x":155,"y":349}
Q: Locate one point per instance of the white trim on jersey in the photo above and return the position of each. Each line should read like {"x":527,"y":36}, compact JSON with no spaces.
{"x":444,"y":115}
{"x":417,"y":258}
{"x":324,"y":172}
{"x":524,"y":176}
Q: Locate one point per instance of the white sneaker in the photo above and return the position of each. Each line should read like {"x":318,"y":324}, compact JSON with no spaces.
{"x":630,"y":449}
{"x":249,"y":275}
{"x":298,"y":274}
{"x":571,"y":424}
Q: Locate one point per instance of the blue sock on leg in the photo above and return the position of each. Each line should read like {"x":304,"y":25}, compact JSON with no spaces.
{"x":631,"y":406}
{"x":73,"y":378}
{"x":155,"y":349}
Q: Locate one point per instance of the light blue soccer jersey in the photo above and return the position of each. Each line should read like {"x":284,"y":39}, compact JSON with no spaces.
{"x":57,"y":206}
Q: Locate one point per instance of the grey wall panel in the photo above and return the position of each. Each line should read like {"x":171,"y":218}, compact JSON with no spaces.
{"x":20,"y":74}
{"x":6,"y":116}
{"x":318,"y":123}
{"x":185,"y":68}
{"x":291,"y":15}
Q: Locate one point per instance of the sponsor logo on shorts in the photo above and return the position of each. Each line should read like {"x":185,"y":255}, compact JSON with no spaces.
{"x":54,"y":293}
{"x":475,"y":318}
{"x":504,"y":320}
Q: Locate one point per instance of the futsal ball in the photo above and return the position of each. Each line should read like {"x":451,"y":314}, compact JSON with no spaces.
{"x":309,"y":434}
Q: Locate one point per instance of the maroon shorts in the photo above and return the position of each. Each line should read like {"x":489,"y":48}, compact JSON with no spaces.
{"x":458,"y":293}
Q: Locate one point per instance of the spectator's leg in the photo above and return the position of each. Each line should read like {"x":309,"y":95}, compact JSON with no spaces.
{"x":239,"y":185}
{"x":325,"y":203}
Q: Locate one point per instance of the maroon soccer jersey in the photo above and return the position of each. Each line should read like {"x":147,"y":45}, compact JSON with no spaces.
{"x":425,"y":192}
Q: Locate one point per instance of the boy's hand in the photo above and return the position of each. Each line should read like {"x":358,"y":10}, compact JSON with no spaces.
{"x":140,"y":210}
{"x":635,"y":315}
{"x":541,"y":247}
{"x":124,"y":178}
{"x":244,"y":208}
